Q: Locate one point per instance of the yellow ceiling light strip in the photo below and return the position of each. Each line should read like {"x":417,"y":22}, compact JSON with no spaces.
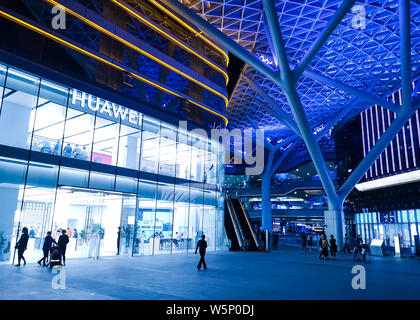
{"x":171,"y":38}
{"x":198,"y":34}
{"x":130,"y":45}
{"x":89,"y":54}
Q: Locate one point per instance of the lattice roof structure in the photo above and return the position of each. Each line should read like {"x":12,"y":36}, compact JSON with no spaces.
{"x":361,"y":54}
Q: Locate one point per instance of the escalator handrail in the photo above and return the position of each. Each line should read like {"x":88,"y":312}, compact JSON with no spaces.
{"x":249,"y":225}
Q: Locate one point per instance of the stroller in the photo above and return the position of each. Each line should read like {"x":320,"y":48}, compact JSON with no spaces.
{"x":55,"y":257}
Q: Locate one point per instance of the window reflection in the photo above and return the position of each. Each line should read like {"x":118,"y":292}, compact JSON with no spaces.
{"x":78,"y":135}
{"x":105,"y":142}
{"x":50,"y":119}
{"x":18,"y":110}
{"x":183,"y":154}
{"x":150,"y":145}
{"x":129,"y":147}
{"x":168,"y":137}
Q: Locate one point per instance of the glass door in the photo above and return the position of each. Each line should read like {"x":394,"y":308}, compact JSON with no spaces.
{"x":35,"y":213}
{"x":128,"y":208}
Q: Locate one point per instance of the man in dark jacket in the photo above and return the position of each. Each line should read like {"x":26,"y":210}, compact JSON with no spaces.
{"x":48,"y":241}
{"x":201,"y":247}
{"x":62,"y":245}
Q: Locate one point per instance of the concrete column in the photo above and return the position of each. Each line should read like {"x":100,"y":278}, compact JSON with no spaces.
{"x":334,"y":221}
{"x":266,"y":215}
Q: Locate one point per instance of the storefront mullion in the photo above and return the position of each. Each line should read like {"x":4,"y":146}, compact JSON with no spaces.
{"x":155,"y":240}
{"x":136,"y":216}
{"x":3,"y":79}
{"x":61,"y":159}
{"x":409,"y":227}
{"x":189,"y":235}
{"x":417,"y":221}
{"x":91,"y":149}
{"x":118,"y":153}
{"x":175,"y":239}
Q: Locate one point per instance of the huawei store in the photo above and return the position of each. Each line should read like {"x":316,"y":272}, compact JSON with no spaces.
{"x":75,"y":162}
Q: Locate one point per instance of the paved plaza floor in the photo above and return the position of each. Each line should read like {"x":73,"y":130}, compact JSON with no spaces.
{"x":283,"y":274}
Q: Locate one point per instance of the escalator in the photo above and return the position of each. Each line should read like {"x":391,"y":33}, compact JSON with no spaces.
{"x":230,"y":230}
{"x":238,"y":228}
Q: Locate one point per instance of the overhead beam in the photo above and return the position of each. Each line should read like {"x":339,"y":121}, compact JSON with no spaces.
{"x":338,"y":116}
{"x":405,"y":52}
{"x":282,"y":157}
{"x":285,"y":142}
{"x":277,"y":38}
{"x":270,"y":42}
{"x":278,"y":113}
{"x":323,"y":36}
{"x":353,"y":91}
{"x":267,"y":144}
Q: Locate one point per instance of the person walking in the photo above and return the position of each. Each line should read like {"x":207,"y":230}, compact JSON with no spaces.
{"x":346,"y":246}
{"x":201,"y":246}
{"x":357,"y":251}
{"x":310,"y":242}
{"x":275,"y":240}
{"x":21,"y":245}
{"x":118,"y":240}
{"x":304,"y":242}
{"x":62,"y":245}
{"x":48,"y":241}
{"x":365,"y":253}
{"x":333,"y":247}
{"x":323,"y":244}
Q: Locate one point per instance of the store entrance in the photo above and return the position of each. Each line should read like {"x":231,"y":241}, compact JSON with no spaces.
{"x":90,"y":219}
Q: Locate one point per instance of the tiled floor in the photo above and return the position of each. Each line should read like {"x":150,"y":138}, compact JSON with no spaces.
{"x":283,"y":274}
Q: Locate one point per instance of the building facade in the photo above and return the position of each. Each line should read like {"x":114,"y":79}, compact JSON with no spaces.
{"x":386,"y":199}
{"x":111,"y":144}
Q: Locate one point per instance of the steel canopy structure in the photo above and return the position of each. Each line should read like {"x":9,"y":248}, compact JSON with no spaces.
{"x":310,"y":64}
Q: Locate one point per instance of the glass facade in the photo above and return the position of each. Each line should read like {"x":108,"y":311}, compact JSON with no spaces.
{"x":387,"y":225}
{"x":69,"y":160}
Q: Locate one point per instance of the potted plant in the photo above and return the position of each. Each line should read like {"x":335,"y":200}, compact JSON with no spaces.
{"x":4,"y":247}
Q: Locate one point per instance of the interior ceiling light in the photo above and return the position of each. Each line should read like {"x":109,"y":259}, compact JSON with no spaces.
{"x":401,"y":178}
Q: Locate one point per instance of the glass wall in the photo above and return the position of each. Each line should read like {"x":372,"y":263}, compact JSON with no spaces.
{"x":387,"y":225}
{"x":77,"y":163}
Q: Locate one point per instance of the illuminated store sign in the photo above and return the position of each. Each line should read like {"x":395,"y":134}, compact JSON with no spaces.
{"x":83,"y":100}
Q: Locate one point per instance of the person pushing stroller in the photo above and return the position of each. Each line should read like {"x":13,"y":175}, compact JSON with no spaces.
{"x":48,"y":242}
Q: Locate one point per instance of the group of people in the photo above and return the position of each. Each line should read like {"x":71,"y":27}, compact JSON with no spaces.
{"x":307,"y":242}
{"x":329,"y":247}
{"x":361,"y":251}
{"x":324,"y":245}
{"x":78,"y":152}
{"x":58,"y":252}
